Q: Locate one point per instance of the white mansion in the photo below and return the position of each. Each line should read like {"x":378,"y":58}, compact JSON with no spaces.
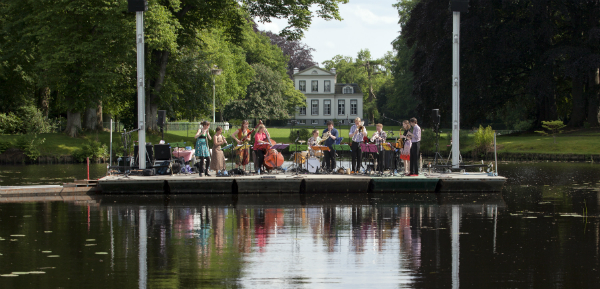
{"x":326,"y":99}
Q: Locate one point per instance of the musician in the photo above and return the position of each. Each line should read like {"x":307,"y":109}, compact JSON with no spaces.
{"x":357,"y":134}
{"x":379,"y":138}
{"x":330,"y":155}
{"x":314,"y":140}
{"x":202,"y":151}
{"x":241,"y":136}
{"x":260,"y":138}
{"x":405,"y":153}
{"x":218,"y":158}
{"x":415,"y":139}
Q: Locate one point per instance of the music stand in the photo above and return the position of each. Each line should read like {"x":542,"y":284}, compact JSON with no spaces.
{"x":341,"y":148}
{"x":387,"y":149}
{"x":368,"y":148}
{"x":279,"y":147}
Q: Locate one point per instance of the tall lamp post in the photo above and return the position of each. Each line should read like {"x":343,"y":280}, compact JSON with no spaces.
{"x":215,"y":71}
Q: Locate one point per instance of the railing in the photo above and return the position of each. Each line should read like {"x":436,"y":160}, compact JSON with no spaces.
{"x":184,"y":126}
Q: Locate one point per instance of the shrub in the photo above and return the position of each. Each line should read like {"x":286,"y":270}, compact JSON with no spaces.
{"x":27,"y":119}
{"x":4,"y":146}
{"x":304,"y":134}
{"x":92,"y":149}
{"x":9,"y":123}
{"x":484,"y":139}
{"x":427,"y":141}
{"x":30,"y":145}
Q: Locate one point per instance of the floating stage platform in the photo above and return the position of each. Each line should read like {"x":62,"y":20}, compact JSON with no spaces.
{"x":301,"y":183}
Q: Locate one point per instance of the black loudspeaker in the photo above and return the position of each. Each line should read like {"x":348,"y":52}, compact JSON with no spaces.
{"x":160,"y":121}
{"x":461,"y":6}
{"x":137,"y":5}
{"x":162,"y":152}
{"x":149,"y":155}
{"x":435,"y":116}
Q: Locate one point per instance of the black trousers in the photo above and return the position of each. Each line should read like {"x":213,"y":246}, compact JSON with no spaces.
{"x":356,"y":156}
{"x":380,"y":160}
{"x":414,"y":158}
{"x":260,"y":159}
{"x":329,"y":157}
{"x":201,"y":163}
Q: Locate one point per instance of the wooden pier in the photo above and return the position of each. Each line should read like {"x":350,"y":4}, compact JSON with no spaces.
{"x":302,"y":183}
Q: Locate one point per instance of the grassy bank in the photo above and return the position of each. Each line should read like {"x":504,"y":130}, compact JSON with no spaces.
{"x":574,"y":142}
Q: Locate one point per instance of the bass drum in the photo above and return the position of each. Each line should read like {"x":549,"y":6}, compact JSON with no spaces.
{"x":313,"y":164}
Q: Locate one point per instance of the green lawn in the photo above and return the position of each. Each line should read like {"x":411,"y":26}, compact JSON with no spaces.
{"x":577,"y":142}
{"x":568,"y":143}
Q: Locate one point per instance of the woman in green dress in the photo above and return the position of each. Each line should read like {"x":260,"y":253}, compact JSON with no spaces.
{"x":202,"y":151}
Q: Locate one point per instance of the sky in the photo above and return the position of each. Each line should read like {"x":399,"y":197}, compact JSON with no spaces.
{"x":367,"y":24}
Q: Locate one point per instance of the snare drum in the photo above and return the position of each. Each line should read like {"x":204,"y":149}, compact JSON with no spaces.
{"x":313,"y":164}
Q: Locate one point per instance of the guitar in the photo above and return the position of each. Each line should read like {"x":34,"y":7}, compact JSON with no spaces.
{"x":246,"y":137}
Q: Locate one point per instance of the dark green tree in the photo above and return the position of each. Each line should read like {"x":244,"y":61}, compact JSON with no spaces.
{"x":264,"y":98}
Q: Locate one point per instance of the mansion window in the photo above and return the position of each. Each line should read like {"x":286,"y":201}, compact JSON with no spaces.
{"x":327,"y":107}
{"x":327,"y":86}
{"x":341,"y":107}
{"x":314,"y":107}
{"x":302,"y":110}
{"x":353,"y":106}
{"x":302,"y":121}
{"x":302,"y":85}
{"x":348,"y":90}
{"x":314,"y":85}
{"x":315,"y":121}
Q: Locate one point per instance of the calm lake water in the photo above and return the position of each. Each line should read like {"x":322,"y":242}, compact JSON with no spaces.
{"x":542,"y":231}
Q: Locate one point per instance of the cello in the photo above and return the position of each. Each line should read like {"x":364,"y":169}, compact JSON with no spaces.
{"x":273,"y":158}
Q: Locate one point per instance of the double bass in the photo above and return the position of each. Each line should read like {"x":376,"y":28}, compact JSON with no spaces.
{"x":273,"y":158}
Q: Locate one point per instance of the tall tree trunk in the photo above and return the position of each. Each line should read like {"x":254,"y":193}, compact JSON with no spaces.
{"x":578,"y":112}
{"x":162,"y":58}
{"x":43,"y":95}
{"x":73,"y":123}
{"x":89,"y":119}
{"x":99,"y":119}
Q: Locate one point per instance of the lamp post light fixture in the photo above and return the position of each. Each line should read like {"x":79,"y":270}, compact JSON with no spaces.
{"x":214,"y":71}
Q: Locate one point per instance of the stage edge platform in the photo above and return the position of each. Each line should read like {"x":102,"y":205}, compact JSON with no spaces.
{"x":282,"y":183}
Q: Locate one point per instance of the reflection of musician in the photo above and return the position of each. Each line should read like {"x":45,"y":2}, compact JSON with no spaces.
{"x":330,"y":155}
{"x":378,"y":138}
{"x":260,"y":138}
{"x":242,"y":135}
{"x":357,"y":133}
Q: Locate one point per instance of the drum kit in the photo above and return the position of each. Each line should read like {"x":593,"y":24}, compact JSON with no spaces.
{"x":311,"y":159}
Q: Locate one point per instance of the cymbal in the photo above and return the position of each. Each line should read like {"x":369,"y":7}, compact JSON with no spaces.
{"x":301,"y":141}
